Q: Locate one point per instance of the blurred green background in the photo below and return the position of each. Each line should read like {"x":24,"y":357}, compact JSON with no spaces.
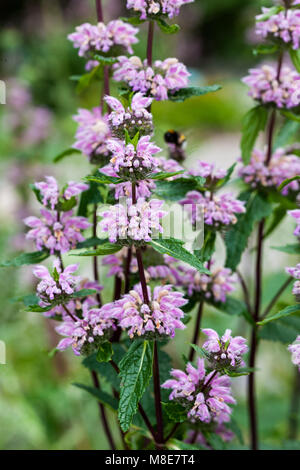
{"x":39,"y":406}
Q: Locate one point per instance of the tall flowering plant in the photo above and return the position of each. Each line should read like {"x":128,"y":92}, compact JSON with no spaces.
{"x":159,"y":282}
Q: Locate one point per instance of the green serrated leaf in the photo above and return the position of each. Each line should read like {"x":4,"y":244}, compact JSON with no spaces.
{"x":83,"y":293}
{"x":173,"y":247}
{"x":290,"y":115}
{"x":286,"y":133}
{"x":283,"y":330}
{"x":295,"y":57}
{"x":253,"y":122}
{"x":104,"y":249}
{"x":164,"y":175}
{"x":135,"y":373}
{"x":65,"y":153}
{"x":288,"y":181}
{"x":174,"y":190}
{"x":185,"y":93}
{"x":265,"y":49}
{"x":167,"y":28}
{"x":293,"y":249}
{"x":26,"y":258}
{"x":101,"y":396}
{"x":86,"y":79}
{"x":286,"y":312}
{"x":236,"y":238}
{"x":176,"y":412}
{"x":104,"y":179}
{"x":105,"y":352}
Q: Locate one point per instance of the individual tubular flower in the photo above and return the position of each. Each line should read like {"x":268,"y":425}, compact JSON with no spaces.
{"x":281,"y":166}
{"x":133,"y":222}
{"x":55,"y":286}
{"x":284,"y":25}
{"x":265,"y":86}
{"x":295,"y":350}
{"x":216,"y":210}
{"x":295,"y":273}
{"x":205,"y":396}
{"x":158,"y":319}
{"x":164,"y":77}
{"x":225,"y":351}
{"x":50,"y":192}
{"x":215,"y":287}
{"x":55,"y":233}
{"x":86,"y":334}
{"x":90,"y":38}
{"x":92,"y":133}
{"x":131,"y":162}
{"x":157,"y":7}
{"x":135,"y":118}
{"x":296,"y":215}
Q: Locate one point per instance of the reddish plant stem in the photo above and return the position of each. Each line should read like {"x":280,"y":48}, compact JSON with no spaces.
{"x":69,"y":313}
{"x":99,"y":11}
{"x":258,"y":288}
{"x":103,"y":413}
{"x":150,"y":42}
{"x":127,"y":270}
{"x":157,"y":395}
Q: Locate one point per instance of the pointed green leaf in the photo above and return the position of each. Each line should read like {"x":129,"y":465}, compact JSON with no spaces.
{"x":286,"y":312}
{"x":64,"y":154}
{"x":185,"y":93}
{"x":253,"y":122}
{"x":135,"y":373}
{"x":175,"y":248}
{"x":101,"y":396}
{"x":26,"y":258}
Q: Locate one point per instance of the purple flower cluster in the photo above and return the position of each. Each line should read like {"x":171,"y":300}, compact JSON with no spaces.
{"x":160,"y":318}
{"x":216,"y":210}
{"x":101,"y":38}
{"x":56,"y":285}
{"x":265,"y":86}
{"x":133,"y":222}
{"x":296,"y":215}
{"x":131,"y":162}
{"x":208,"y":171}
{"x":215,"y":287}
{"x":225,"y":351}
{"x":157,"y":7}
{"x":87,"y":333}
{"x":132,"y":119}
{"x":56,"y":232}
{"x":282,"y":166}
{"x":295,"y":350}
{"x":284,"y":25}
{"x":164,"y":77}
{"x":205,"y":396}
{"x":295,"y":273}
{"x":50,"y":194}
{"x":92,"y":133}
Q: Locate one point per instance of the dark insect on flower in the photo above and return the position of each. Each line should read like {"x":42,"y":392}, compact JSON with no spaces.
{"x":177,"y":143}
